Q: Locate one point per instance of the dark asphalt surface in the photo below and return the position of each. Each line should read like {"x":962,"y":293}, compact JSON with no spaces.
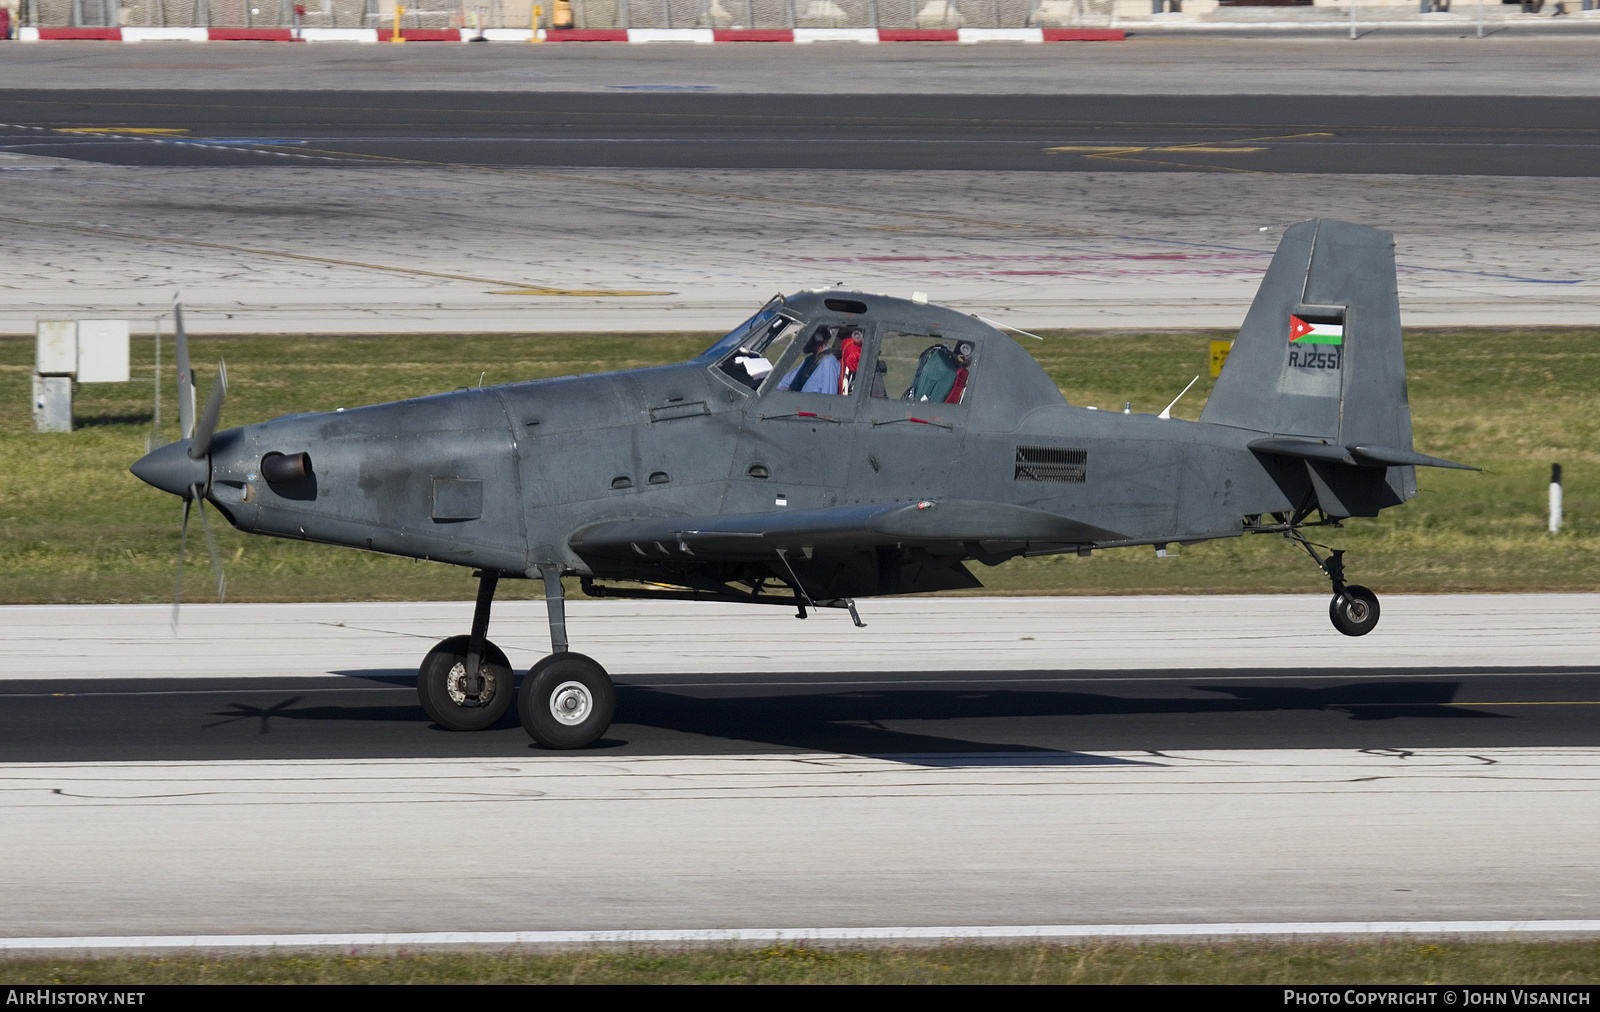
{"x":1037,"y":716}
{"x":1493,"y":135}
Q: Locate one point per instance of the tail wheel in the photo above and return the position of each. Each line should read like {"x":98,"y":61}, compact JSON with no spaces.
{"x":567,"y":701}
{"x":1354,"y":610}
{"x":456,"y":702}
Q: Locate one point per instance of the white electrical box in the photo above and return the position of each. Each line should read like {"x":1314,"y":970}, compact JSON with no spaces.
{"x":56,"y":350}
{"x":102,"y":351}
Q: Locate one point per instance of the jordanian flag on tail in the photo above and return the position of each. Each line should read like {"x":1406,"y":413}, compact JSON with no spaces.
{"x":1301,"y":332}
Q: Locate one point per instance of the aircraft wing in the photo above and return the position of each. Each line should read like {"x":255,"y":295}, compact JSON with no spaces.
{"x":926,"y":523}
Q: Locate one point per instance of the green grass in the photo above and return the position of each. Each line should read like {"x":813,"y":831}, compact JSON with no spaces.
{"x":1379,"y":962}
{"x":75,"y":526}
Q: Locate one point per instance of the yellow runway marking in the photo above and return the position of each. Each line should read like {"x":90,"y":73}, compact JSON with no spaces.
{"x":143,"y":131}
{"x":1111,"y":153}
{"x":1128,"y":151}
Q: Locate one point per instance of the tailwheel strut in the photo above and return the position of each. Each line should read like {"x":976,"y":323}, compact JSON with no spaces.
{"x":1354,"y":609}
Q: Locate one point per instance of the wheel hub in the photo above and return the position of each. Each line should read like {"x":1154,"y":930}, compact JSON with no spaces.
{"x":462,"y":690}
{"x":1356,"y":609}
{"x":571,"y":703}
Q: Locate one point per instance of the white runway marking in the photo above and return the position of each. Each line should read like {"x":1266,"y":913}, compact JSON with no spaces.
{"x":725,"y":936}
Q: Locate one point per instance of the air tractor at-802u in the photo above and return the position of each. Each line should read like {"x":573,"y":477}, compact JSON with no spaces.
{"x":834,"y":446}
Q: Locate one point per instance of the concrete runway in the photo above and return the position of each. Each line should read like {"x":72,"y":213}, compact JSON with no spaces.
{"x":1170,"y":760}
{"x":307,"y":249}
{"x":286,"y":243}
{"x":617,"y":843}
{"x":1038,"y":675}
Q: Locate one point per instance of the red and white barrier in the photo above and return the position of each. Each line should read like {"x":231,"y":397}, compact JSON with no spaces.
{"x":868,"y":36}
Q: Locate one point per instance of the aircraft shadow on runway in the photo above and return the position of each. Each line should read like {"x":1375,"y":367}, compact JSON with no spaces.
{"x":992,"y":718}
{"x":861,"y":720}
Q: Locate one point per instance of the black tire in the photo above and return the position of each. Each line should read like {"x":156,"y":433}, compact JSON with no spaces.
{"x":1354,"y":611}
{"x":567,"y":701}
{"x":446,"y":663}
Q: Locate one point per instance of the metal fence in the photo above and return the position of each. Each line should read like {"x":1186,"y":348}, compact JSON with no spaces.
{"x":585,"y":13}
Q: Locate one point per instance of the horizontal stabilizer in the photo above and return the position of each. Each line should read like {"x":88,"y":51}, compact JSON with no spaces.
{"x":835,"y":528}
{"x":1392,"y":457}
{"x":1355,"y":456}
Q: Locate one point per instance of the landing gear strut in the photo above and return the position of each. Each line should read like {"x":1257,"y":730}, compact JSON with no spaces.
{"x":465,"y":682}
{"x":567,"y":700}
{"x":1354,"y":609}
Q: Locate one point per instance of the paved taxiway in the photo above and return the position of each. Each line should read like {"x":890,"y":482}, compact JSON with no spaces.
{"x":1492,"y":135}
{"x":1137,"y":761}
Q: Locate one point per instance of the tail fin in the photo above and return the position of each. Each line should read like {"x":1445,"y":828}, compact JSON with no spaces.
{"x":1320,"y":355}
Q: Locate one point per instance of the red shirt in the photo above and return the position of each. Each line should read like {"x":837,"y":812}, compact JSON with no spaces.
{"x":849,"y":358}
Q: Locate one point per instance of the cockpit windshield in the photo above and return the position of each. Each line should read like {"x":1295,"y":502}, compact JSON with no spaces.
{"x":751,"y":359}
{"x":737,"y":335}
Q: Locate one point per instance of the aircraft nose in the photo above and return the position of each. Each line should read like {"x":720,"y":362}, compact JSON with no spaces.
{"x":171,"y":469}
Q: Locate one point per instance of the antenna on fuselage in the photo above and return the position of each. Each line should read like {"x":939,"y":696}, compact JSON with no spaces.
{"x":1002,"y":326}
{"x":1166,"y":412}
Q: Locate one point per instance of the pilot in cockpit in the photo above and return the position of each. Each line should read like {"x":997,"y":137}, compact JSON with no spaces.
{"x":818,"y":373}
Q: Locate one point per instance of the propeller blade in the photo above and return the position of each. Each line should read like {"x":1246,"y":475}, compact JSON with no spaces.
{"x":211,"y":546}
{"x":183,"y":538}
{"x":185,"y":377}
{"x":208,"y":421}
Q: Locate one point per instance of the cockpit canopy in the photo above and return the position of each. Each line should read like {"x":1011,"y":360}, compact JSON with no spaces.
{"x":780,"y":348}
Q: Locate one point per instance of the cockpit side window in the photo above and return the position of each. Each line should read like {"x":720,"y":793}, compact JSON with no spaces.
{"x":922,"y":368}
{"x":824,"y":362}
{"x":753,"y":355}
{"x":815,"y":369}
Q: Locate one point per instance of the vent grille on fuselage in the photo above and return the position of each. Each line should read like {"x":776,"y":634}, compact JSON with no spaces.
{"x":1052,"y":463}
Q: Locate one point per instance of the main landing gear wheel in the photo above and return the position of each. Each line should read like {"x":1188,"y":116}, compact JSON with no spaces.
{"x":567,"y":701}
{"x":456,"y":702}
{"x":1354,"y":610}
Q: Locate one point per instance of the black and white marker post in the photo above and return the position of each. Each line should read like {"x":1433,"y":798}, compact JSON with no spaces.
{"x":1555,"y":498}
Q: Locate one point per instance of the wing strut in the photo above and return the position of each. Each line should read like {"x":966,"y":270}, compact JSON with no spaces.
{"x":803,"y":598}
{"x":799,"y":587}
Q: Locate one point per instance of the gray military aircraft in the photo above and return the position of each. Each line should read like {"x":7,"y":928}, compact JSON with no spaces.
{"x":836,"y":445}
